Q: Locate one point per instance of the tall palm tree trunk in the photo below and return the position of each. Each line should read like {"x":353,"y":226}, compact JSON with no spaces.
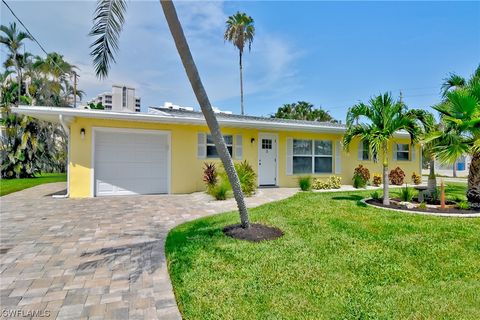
{"x":432,"y":180}
{"x":473,"y":192}
{"x":241,"y":83}
{"x":455,"y":169}
{"x":202,"y":98}
{"x":386,"y":195}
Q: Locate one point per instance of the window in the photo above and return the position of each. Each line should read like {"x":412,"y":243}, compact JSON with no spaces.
{"x":267,"y":144}
{"x":124,"y":97}
{"x":212,"y":150}
{"x":403,"y":152}
{"x":365,"y":151}
{"x":312,"y":156}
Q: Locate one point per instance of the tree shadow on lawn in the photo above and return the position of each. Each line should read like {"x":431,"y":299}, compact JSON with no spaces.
{"x":351,"y":197}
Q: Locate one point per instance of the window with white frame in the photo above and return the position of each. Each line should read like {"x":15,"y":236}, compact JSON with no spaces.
{"x":312,"y":156}
{"x":212,"y":150}
{"x":365,"y":150}
{"x":403,"y":151}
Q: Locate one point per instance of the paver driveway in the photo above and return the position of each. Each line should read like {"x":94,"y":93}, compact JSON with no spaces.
{"x":95,"y":258}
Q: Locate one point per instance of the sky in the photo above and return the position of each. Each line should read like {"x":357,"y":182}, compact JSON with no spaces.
{"x":331,"y":54}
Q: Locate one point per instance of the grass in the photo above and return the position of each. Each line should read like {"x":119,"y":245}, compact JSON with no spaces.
{"x":337,"y":260}
{"x":13,"y":185}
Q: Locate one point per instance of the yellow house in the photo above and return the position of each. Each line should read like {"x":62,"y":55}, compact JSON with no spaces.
{"x":164,"y":151}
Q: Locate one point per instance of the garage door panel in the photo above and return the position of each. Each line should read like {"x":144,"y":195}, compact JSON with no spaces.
{"x":131,"y":163}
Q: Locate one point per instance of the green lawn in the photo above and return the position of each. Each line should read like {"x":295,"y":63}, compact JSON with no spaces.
{"x":337,"y":260}
{"x":12,"y":185}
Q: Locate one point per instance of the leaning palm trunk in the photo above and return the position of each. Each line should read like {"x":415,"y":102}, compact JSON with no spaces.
{"x":386,"y":195}
{"x":241,"y":85}
{"x":202,"y":98}
{"x":473,"y":192}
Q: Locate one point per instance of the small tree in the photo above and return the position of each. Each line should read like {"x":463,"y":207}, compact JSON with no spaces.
{"x":302,"y":110}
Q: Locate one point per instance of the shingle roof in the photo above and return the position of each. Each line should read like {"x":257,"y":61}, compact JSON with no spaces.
{"x":226,"y":116}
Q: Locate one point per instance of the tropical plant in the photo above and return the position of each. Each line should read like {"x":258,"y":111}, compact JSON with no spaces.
{"x":96,"y":106}
{"x":332,"y":182}
{"x":416,"y":178}
{"x":397,"y":176}
{"x":384,"y":117}
{"x":422,"y":205}
{"x":240,"y":32}
{"x":220,"y":190}
{"x":375,"y":195}
{"x":302,"y":110}
{"x":305,"y":183}
{"x":463,"y":205}
{"x":377,"y":179}
{"x":459,"y":133}
{"x":13,"y":39}
{"x":108,"y":22}
{"x":363,"y":175}
{"x":247,"y":176}
{"x":210,"y":175}
{"x":406,"y":194}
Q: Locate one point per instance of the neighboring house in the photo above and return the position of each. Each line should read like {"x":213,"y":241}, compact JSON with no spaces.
{"x":121,"y":99}
{"x":115,"y":153}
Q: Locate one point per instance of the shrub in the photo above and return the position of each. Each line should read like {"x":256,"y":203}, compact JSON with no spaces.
{"x":377,"y":179}
{"x":359,"y":182}
{"x":396,"y":176}
{"x":210,"y":174}
{"x":463,"y":205}
{"x":220,"y":190}
{"x":375,"y":195}
{"x":305,"y":183}
{"x":363,"y":172}
{"x":247,"y":177}
{"x":416,"y":179}
{"x":423,"y":205}
{"x":406,"y":194}
{"x":332,"y":182}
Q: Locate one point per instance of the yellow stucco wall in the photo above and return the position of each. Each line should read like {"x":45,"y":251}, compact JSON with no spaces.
{"x":186,"y":168}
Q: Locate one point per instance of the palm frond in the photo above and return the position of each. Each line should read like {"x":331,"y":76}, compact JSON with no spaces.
{"x":109,"y":18}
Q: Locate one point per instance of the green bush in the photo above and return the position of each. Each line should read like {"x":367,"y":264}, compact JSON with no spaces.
{"x":305,"y":183}
{"x":406,"y":194}
{"x":375,"y":195}
{"x":463,"y":205}
{"x":423,"y":205}
{"x":359,"y":181}
{"x":361,"y":176}
{"x":220,"y":190}
{"x":332,"y":182}
{"x":247,"y":177}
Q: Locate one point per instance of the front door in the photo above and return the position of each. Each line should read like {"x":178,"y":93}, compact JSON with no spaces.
{"x":267,"y":159}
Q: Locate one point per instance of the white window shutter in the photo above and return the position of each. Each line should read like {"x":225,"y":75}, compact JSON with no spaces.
{"x":338,"y":158}
{"x":202,"y":145}
{"x":360,"y":150}
{"x":413,"y":155}
{"x":238,"y":147}
{"x":289,"y":156}
{"x":395,"y":152}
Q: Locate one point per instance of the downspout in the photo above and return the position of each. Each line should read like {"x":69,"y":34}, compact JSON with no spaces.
{"x":67,"y":131}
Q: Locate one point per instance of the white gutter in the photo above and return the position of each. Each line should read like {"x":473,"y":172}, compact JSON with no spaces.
{"x":65,"y":127}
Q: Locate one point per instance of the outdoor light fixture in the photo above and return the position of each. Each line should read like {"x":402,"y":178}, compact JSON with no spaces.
{"x":252,"y":140}
{"x":82,"y":133}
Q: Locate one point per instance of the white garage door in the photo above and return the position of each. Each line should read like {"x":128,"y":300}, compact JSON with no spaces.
{"x":131,"y":162}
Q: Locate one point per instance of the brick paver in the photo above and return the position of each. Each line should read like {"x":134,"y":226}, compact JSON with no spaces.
{"x":98,"y":258}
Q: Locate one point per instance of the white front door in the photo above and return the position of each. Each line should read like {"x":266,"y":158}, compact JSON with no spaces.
{"x":267,"y":159}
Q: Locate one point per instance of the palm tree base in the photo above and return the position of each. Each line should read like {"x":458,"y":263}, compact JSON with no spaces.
{"x":255,"y":233}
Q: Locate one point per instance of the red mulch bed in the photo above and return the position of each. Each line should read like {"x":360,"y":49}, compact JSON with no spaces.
{"x":256,"y":233}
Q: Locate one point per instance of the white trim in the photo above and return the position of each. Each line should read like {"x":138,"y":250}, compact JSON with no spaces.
{"x":114,"y":129}
{"x":51,"y":114}
{"x":259,"y":146}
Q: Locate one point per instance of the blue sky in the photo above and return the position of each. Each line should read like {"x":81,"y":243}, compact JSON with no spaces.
{"x":332,"y":54}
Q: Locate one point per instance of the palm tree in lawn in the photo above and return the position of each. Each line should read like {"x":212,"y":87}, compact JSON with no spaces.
{"x":108,"y":22}
{"x":460,"y":131}
{"x":13,"y":39}
{"x":430,"y":125}
{"x":240,"y":32}
{"x":385,"y":117}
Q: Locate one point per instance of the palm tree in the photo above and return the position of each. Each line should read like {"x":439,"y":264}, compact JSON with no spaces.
{"x":13,"y":40}
{"x":385,"y":117}
{"x":430,"y":125}
{"x":240,"y":32}
{"x":108,"y":22}
{"x":460,"y":131}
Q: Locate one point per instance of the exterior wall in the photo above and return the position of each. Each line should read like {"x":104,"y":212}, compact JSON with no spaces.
{"x":186,"y":175}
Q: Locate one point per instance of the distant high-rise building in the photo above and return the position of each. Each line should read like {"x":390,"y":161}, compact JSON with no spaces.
{"x":122,"y":99}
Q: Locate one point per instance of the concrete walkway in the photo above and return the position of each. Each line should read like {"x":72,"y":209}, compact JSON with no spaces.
{"x":98,"y":258}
